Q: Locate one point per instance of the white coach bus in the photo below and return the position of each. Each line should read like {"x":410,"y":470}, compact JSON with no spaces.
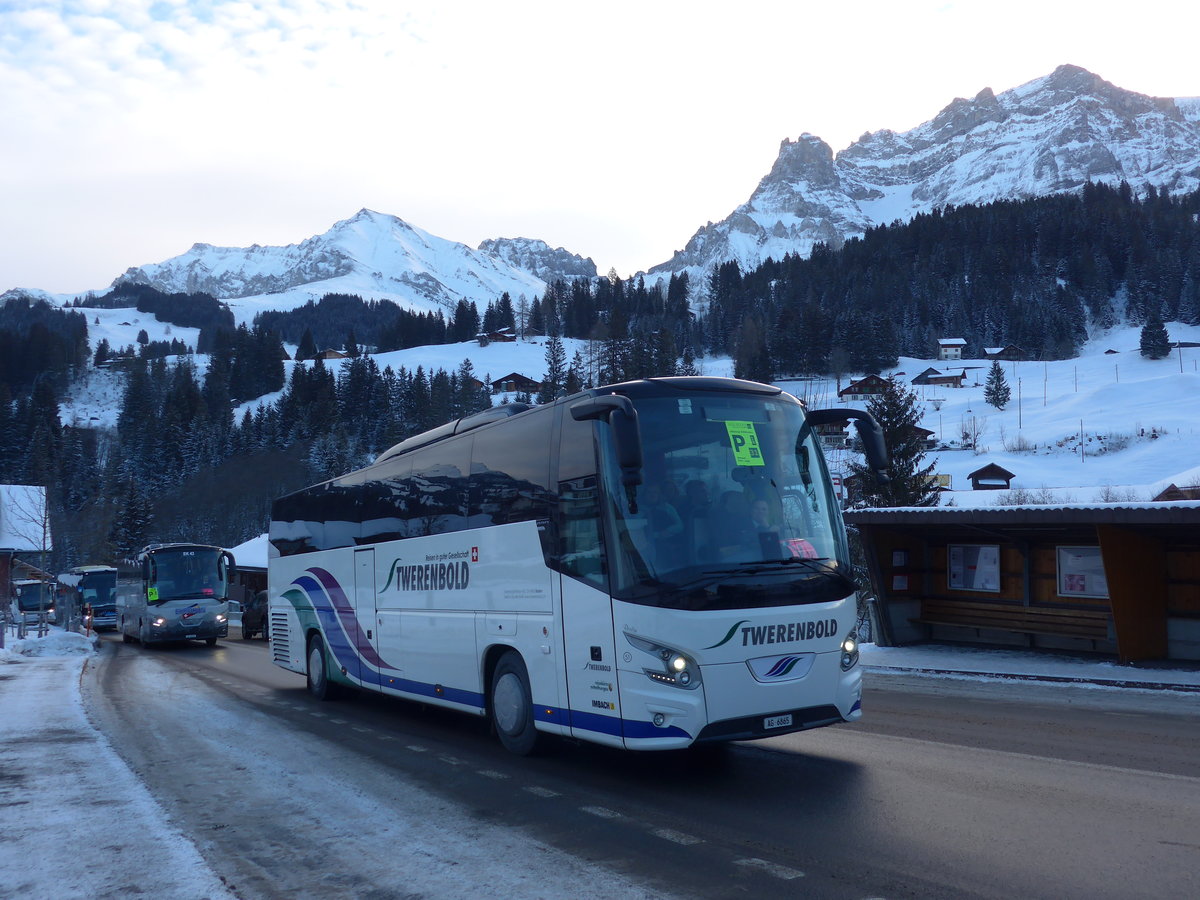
{"x":646,"y":565}
{"x":174,"y":592}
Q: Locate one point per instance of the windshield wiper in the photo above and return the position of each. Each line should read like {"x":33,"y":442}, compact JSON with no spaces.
{"x":712,"y":576}
{"x":822,"y":565}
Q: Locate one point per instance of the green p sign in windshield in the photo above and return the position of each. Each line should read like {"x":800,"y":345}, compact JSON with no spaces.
{"x":744,"y":441}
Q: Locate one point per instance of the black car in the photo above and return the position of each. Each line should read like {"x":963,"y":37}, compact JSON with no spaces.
{"x":254,"y":617}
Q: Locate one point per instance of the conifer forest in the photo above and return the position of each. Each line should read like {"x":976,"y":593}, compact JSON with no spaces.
{"x":1035,"y":273}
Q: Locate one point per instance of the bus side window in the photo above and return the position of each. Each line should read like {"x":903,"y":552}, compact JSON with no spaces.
{"x":510,"y":473}
{"x":439,"y":497}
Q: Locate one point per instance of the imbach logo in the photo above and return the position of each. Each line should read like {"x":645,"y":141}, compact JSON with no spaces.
{"x":430,"y":576}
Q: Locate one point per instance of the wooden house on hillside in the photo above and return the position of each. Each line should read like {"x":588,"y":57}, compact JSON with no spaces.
{"x":1008,"y":353}
{"x":864,"y":388}
{"x":933,"y":377}
{"x":951,"y":348}
{"x":515,"y":381}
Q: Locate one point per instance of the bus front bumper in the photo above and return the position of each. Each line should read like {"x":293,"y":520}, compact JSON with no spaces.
{"x":731,"y":705}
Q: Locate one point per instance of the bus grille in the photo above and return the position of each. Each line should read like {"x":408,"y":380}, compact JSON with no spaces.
{"x":280,"y":647}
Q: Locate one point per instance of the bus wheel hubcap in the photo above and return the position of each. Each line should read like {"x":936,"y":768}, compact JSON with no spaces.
{"x":315,"y":666}
{"x":508,"y":703}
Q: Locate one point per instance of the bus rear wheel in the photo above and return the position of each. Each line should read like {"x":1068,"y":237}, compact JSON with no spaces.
{"x":512,"y":705}
{"x":318,"y":674}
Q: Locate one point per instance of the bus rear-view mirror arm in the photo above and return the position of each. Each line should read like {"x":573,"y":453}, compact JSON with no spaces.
{"x":618,"y":411}
{"x":230,"y":570}
{"x":874,"y":446}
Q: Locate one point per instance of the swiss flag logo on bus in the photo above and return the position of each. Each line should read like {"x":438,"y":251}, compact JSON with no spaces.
{"x":474,"y":554}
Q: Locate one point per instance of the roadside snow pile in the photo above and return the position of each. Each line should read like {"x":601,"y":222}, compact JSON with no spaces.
{"x":56,"y":643}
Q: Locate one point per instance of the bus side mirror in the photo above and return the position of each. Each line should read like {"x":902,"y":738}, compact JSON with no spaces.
{"x":618,"y":411}
{"x":874,"y":445}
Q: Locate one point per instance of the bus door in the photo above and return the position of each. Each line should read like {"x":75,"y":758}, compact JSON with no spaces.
{"x":589,"y":648}
{"x":591,"y":665}
{"x":362,"y":629}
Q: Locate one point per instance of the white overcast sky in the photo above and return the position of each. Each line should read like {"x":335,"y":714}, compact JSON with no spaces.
{"x":130,"y":129}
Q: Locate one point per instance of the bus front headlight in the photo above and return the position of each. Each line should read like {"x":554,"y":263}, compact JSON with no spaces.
{"x":158,"y":622}
{"x":677,"y":668}
{"x":849,"y":651}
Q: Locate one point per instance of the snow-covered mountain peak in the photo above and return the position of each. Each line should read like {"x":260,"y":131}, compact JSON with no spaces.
{"x":371,"y":254}
{"x":1050,"y":135}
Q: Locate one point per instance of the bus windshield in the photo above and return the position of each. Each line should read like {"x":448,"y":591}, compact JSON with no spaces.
{"x":735,"y":508}
{"x":186,"y":574}
{"x":32,"y":599}
{"x":96,"y":588}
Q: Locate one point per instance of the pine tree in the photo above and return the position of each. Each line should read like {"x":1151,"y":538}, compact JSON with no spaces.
{"x":910,"y":483}
{"x":556,"y":370}
{"x":308,"y":346}
{"x":751,"y":359}
{"x":996,"y":390}
{"x":1155,"y":342}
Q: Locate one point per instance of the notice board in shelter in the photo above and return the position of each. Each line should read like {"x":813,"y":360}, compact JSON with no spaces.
{"x":974,"y":567}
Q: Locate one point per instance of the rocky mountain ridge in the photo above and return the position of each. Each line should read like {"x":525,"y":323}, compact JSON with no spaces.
{"x":1048,"y":136}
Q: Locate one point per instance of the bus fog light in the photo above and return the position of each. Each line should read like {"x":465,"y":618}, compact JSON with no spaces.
{"x":659,"y":720}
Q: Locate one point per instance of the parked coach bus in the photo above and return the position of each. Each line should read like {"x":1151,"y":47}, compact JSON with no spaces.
{"x":174,"y":592}
{"x":645,"y":565}
{"x":90,"y":591}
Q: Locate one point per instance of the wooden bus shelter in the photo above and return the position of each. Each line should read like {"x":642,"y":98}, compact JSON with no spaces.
{"x":1117,"y":579}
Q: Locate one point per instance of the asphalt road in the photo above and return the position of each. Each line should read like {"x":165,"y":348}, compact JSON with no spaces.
{"x":945,"y":789}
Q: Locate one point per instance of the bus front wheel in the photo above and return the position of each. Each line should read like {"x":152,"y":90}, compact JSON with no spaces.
{"x":318,"y":675}
{"x":512,"y":705}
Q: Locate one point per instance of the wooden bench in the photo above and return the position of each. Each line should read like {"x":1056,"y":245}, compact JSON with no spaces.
{"x":1084,"y":623}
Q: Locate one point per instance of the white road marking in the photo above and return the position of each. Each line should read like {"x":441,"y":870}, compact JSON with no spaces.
{"x":678,"y":837}
{"x":770,"y":868}
{"x":602,"y":812}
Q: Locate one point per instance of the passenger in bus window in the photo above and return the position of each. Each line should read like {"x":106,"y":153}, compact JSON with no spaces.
{"x":730,"y":526}
{"x":760,"y":516}
{"x":694,"y":509}
{"x":666,"y":527}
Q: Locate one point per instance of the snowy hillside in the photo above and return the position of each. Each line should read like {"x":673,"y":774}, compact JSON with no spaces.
{"x":1139,"y":418}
